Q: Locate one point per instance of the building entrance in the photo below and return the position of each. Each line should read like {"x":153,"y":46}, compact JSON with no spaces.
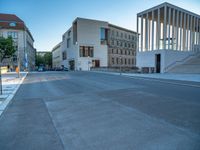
{"x":158,"y":63}
{"x":71,"y":64}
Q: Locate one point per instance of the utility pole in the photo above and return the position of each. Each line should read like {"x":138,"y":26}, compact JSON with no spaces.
{"x":18,"y":63}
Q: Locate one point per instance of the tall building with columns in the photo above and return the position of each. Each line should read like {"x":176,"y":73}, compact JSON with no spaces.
{"x":168,"y":34}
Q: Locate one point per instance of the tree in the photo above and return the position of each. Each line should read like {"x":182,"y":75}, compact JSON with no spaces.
{"x":7,"y":48}
{"x":6,"y":51}
{"x":39,"y":60}
{"x":45,"y":60}
{"x":48,"y":59}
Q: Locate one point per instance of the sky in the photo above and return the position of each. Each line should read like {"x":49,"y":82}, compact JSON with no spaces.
{"x":47,"y":20}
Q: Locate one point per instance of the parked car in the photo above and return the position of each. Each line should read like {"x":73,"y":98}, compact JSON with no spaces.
{"x":65,"y":69}
{"x":41,"y":69}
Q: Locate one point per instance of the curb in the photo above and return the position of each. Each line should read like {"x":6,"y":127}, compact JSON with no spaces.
{"x":5,"y":103}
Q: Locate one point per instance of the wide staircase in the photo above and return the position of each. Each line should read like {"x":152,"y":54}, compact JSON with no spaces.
{"x":190,"y":66}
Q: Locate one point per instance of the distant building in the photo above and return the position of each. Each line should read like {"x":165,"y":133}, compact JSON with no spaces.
{"x":168,"y":35}
{"x":91,"y":43}
{"x":57,"y":56}
{"x":11,"y":25}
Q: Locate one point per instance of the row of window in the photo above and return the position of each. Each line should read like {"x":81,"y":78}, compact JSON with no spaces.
{"x":86,"y":51}
{"x":13,"y":34}
{"x":122,"y":44}
{"x":122,"y":61}
{"x":123,"y":52}
{"x":123,"y":35}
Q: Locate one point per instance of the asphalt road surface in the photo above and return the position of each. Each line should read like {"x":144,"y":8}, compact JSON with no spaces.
{"x":96,"y":111}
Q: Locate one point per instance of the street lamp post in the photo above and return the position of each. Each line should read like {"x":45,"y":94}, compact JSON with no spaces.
{"x":18,"y":63}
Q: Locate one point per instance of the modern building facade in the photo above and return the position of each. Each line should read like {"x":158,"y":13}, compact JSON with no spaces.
{"x":167,"y":34}
{"x":11,"y":25}
{"x":92,"y":43}
{"x":57,"y":56}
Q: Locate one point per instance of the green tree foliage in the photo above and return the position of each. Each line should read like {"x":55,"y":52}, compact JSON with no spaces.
{"x":48,"y":59}
{"x":6,"y":48}
{"x":39,"y":60}
{"x":45,"y":60}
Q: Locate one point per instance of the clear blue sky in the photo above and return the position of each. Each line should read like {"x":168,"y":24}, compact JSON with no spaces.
{"x":49,"y":19}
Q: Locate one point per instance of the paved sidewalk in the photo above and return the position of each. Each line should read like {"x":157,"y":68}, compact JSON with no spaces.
{"x":10,"y":85}
{"x":169,"y":76}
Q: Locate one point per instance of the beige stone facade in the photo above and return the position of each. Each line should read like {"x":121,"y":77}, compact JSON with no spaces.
{"x":121,"y":47}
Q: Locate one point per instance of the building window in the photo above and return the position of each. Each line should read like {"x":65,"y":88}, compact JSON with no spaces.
{"x":121,"y":44}
{"x":64,"y":55}
{"x":125,"y":44}
{"x":113,"y":60}
{"x":104,"y":36}
{"x":129,"y":37}
{"x":68,"y":42}
{"x":113,"y":32}
{"x":12,"y":24}
{"x":125,"y":36}
{"x":117,"y":43}
{"x":69,"y":33}
{"x":13,"y":34}
{"x":86,"y":51}
{"x":125,"y":61}
{"x":133,"y":38}
{"x":129,"y":61}
{"x":121,"y":35}
{"x":75,"y":33}
{"x":117,"y":34}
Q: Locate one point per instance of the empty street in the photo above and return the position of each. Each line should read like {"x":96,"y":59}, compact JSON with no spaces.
{"x":87,"y":110}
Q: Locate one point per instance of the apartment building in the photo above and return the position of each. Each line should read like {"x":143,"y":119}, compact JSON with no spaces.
{"x":57,"y":56}
{"x":11,"y":25}
{"x":122,"y":47}
{"x":92,"y":43}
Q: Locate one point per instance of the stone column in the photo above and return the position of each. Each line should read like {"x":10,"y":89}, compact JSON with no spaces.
{"x":152,"y":38}
{"x":188,"y":20}
{"x":184,"y":32}
{"x":165,"y":27}
{"x":191,"y":19}
{"x":181,"y":27}
{"x":173,"y":22}
{"x":141,"y":33}
{"x":169,"y":25}
{"x":137,"y":35}
{"x":177,"y":28}
{"x":146,"y":32}
{"x":158,"y":30}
